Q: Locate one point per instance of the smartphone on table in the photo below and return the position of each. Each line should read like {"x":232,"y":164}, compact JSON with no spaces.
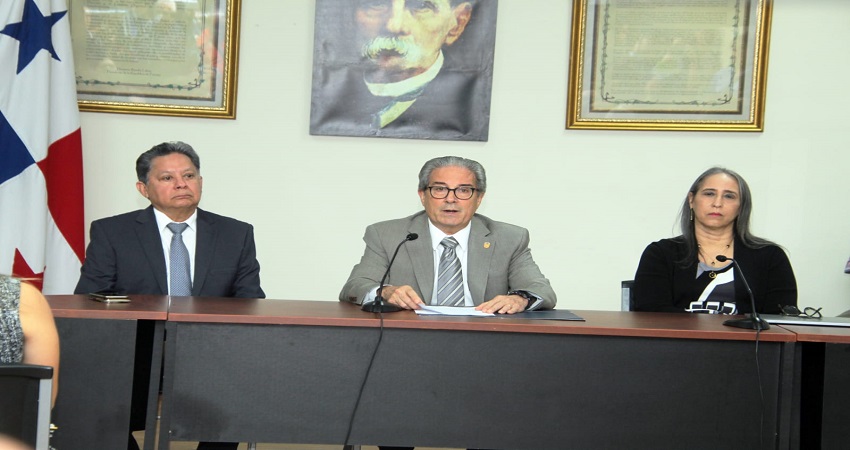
{"x":109,"y":297}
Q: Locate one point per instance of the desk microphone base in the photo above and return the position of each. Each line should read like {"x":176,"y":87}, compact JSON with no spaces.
{"x":748,"y":323}
{"x":380,"y":307}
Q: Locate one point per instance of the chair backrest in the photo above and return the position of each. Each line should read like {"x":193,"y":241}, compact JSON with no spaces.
{"x":25,"y":397}
{"x":628,"y":301}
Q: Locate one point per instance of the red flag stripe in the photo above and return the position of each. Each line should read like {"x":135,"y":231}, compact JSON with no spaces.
{"x":63,"y":174}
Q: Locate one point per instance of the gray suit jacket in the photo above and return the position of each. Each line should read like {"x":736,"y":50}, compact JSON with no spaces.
{"x":125,"y":255}
{"x":498,"y":261}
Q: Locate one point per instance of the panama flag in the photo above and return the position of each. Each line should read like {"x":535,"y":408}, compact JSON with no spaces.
{"x":41,"y":169}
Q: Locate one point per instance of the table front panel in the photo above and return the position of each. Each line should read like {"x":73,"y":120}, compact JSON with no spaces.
{"x":445,"y":388}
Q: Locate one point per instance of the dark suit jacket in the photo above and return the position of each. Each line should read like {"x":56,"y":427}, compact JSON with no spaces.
{"x":498,"y":261}
{"x":125,"y":255}
{"x":661,"y":284}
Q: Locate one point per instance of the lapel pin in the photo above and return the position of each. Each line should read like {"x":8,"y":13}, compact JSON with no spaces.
{"x":486,"y":245}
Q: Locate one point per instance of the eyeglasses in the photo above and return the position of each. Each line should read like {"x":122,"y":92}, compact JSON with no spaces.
{"x":791,"y":310}
{"x":461,"y":192}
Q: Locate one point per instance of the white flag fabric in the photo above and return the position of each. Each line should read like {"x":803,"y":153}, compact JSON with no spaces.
{"x":42,"y":232}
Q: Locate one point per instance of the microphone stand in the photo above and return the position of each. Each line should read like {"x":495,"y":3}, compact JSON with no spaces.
{"x":753,"y":321}
{"x":379,"y":305}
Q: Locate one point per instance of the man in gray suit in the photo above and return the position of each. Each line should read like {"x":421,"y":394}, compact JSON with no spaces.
{"x":496,"y":272}
{"x":128,"y":253}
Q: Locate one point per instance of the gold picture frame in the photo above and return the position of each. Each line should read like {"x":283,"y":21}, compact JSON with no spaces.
{"x":160,"y":57}
{"x":669,"y":65}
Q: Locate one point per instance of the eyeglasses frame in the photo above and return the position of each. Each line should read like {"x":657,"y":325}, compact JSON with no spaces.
{"x":452,"y":191}
{"x":808,"y":312}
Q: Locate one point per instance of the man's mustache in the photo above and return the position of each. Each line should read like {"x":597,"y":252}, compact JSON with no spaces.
{"x":381,"y":44}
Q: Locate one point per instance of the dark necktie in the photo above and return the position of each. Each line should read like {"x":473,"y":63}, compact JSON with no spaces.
{"x":178,"y":259}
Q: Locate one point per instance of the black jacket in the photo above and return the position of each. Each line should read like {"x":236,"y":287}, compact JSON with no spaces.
{"x":663,"y":285}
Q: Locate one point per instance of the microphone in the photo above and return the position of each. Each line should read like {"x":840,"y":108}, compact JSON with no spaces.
{"x":753,"y":322}
{"x":378,"y":305}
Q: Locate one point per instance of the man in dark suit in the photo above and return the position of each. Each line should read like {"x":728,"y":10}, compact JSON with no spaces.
{"x":406,"y":83}
{"x":129,"y":253}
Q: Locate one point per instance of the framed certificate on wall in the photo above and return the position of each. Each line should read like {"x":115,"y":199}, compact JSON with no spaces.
{"x":161,"y":57}
{"x":669,"y":64}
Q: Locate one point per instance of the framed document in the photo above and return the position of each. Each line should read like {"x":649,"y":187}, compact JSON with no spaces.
{"x":163,"y":57}
{"x":669,"y":64}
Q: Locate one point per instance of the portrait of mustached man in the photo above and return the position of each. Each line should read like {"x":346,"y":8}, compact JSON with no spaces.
{"x":417,"y":69}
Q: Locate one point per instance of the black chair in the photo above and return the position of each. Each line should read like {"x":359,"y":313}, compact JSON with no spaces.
{"x":628,"y":301}
{"x":25,"y":397}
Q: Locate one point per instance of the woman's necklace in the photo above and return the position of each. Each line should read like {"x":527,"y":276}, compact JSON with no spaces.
{"x":712,"y":273}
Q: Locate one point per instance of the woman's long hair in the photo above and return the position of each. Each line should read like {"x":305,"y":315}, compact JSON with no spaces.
{"x":742,"y":222}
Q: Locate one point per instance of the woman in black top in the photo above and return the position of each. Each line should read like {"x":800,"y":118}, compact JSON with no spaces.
{"x":683,"y":274}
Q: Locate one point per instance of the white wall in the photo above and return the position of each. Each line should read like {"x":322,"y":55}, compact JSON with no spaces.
{"x":603,"y":195}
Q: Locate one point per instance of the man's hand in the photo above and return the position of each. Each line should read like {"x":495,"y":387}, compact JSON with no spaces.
{"x":403,"y":296}
{"x":504,"y":304}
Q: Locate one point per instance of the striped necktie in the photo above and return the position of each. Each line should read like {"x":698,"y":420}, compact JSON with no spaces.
{"x":450,"y":279}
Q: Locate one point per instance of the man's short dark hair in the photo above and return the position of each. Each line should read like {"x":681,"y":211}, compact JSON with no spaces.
{"x":143,"y":163}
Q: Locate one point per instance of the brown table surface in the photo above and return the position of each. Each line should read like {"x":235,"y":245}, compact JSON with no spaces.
{"x":140,"y":307}
{"x":327,"y":313}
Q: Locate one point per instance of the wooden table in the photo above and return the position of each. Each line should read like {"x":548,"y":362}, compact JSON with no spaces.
{"x":110,"y":354}
{"x":291,"y":371}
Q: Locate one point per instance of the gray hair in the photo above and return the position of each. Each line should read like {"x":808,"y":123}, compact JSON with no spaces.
{"x":742,"y":222}
{"x":454,"y":161}
{"x":145,"y":160}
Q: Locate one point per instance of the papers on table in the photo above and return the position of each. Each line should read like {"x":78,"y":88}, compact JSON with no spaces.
{"x":426,"y":310}
{"x":554,"y":314}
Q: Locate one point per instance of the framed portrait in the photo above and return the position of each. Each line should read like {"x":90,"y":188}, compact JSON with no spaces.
{"x":669,"y":64}
{"x":161,"y":57}
{"x":422,"y":70}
